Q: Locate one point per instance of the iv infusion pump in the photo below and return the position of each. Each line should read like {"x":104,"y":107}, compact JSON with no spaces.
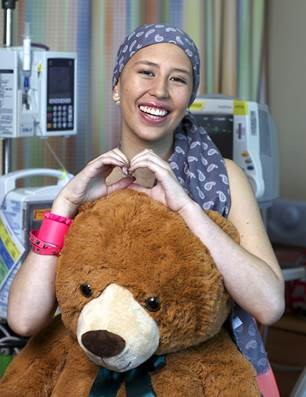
{"x":41,"y":101}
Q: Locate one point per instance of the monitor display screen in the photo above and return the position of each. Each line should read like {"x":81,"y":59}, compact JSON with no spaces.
{"x":220,"y":129}
{"x":60,"y":80}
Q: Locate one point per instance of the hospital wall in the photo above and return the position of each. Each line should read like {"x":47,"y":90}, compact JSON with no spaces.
{"x":287,"y":91}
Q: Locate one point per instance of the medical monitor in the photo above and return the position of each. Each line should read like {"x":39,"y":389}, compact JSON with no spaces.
{"x":244,"y":132}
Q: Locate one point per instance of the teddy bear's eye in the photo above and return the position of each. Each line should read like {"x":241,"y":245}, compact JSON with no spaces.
{"x":152,"y":303}
{"x":86,"y":290}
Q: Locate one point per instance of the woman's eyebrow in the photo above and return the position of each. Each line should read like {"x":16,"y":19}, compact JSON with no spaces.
{"x":153,"y":64}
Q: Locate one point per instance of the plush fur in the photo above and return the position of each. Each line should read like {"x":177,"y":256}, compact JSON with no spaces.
{"x":132,"y":280}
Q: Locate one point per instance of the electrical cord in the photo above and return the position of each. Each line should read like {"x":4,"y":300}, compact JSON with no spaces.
{"x":49,"y":147}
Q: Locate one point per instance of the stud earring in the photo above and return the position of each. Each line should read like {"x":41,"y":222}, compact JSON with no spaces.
{"x":116,"y":98}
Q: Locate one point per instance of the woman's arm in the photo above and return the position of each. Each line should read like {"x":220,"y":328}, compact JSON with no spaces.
{"x":32,"y":295}
{"x":32,"y":299}
{"x":250,"y":270}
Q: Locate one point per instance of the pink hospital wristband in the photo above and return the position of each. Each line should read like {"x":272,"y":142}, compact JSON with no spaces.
{"x":49,"y":239}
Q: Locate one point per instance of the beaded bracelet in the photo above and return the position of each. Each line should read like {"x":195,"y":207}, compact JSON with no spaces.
{"x":49,"y":239}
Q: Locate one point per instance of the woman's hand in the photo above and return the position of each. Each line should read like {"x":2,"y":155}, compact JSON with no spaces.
{"x":167,"y":189}
{"x":89,"y":184}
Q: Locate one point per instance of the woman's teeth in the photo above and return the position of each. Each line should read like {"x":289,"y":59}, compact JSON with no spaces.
{"x":153,"y":111}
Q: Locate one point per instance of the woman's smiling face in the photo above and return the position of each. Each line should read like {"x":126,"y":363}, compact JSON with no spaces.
{"x":155,"y":88}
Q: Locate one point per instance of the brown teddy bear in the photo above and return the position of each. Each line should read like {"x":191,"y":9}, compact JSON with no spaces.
{"x":142,"y":312}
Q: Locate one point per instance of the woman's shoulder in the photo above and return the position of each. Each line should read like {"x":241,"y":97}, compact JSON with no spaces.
{"x":236,"y":175}
{"x":242,"y":195}
{"x":232,"y":167}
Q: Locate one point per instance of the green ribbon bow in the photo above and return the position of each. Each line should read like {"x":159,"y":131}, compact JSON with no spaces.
{"x":137,"y":380}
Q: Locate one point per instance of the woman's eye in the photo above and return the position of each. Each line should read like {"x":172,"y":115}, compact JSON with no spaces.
{"x":179,"y":80}
{"x":148,"y":73}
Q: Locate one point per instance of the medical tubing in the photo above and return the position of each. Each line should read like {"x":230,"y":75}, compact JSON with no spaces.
{"x":26,"y":64}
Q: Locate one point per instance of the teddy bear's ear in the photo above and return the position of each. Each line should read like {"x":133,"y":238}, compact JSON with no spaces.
{"x":225,"y":224}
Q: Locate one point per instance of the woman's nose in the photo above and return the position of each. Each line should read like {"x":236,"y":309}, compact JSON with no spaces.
{"x":159,"y":88}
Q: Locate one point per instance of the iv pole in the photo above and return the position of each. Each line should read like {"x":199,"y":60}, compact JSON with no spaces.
{"x":8,"y":6}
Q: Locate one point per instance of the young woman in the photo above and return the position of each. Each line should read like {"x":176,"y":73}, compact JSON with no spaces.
{"x":164,"y":154}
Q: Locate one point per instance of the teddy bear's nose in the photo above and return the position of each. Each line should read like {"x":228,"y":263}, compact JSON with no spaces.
{"x":103,"y":343}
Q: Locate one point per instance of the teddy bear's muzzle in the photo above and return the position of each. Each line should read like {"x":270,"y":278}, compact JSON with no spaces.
{"x":103,"y":343}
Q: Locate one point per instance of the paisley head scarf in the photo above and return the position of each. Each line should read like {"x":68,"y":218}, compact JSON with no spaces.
{"x":146,"y":35}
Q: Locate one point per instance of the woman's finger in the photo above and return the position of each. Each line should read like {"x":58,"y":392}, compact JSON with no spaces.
{"x":145,"y":153}
{"x":146,"y":160}
{"x":160,"y":170}
{"x":109,"y":158}
{"x":121,"y":184}
{"x":142,"y":153}
{"x":104,"y":164}
{"x":121,"y":154}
